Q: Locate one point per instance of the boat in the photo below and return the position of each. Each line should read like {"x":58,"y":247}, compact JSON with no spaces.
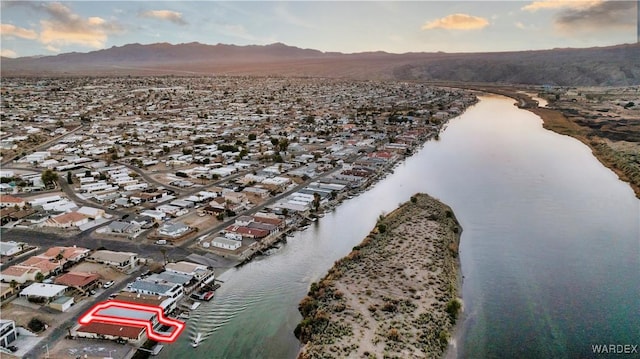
{"x":197,"y":340}
{"x":207,"y":296}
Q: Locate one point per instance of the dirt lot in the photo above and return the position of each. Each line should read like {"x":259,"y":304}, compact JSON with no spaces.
{"x":107,"y":273}
{"x":93,"y":348}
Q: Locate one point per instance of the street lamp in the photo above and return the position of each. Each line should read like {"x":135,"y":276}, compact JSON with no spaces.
{"x":47,"y":346}
{"x":112,"y":350}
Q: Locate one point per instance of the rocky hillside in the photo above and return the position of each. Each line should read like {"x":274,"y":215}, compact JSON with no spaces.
{"x":602,"y":66}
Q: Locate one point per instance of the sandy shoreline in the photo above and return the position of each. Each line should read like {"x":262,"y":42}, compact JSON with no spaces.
{"x":394,"y":295}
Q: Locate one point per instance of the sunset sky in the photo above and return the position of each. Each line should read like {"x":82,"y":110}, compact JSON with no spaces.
{"x":48,"y":28}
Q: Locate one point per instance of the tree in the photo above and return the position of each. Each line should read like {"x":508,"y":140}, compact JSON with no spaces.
{"x":164,"y":255}
{"x":39,"y":277}
{"x":49,"y":177}
{"x":13,"y":284}
{"x":283,"y":144}
{"x":316,"y":201}
{"x":252,"y":137}
{"x":69,"y":178}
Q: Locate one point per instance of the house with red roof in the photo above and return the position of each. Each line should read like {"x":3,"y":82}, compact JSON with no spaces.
{"x":11,"y":201}
{"x":67,"y":220}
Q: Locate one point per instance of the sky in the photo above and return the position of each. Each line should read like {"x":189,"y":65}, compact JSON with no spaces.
{"x":30,"y":28}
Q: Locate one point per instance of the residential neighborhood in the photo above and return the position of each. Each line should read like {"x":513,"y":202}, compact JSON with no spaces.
{"x":220,"y":168}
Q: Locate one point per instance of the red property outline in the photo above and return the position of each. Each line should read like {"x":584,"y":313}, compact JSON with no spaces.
{"x":91,"y":316}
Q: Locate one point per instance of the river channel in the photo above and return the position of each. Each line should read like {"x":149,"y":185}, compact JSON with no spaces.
{"x":550,"y":250}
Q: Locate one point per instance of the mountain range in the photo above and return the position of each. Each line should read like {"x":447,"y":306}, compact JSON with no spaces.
{"x":599,"y":66}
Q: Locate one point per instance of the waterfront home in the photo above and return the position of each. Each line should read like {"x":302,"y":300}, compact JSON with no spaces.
{"x":225,"y":243}
{"x":198,"y":271}
{"x":246,"y":232}
{"x":94,"y":330}
{"x":144,"y":286}
{"x":167,"y":304}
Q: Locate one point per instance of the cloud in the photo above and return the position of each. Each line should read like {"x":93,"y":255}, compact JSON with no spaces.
{"x":606,"y":15}
{"x":560,"y":4}
{"x":12,"y":30}
{"x":67,"y":28}
{"x":172,"y":16}
{"x":8,"y":53}
{"x":457,"y":22}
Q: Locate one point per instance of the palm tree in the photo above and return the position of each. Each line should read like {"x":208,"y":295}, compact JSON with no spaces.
{"x":316,"y":201}
{"x":164,"y":255}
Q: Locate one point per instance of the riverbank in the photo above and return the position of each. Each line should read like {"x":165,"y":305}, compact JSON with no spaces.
{"x":395,"y":294}
{"x":624,"y":165}
{"x":557,"y":122}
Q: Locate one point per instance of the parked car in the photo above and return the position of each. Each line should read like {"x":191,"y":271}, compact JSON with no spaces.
{"x":12,"y":348}
{"x":108,"y":284}
{"x":92,"y":292}
{"x":161,"y":241}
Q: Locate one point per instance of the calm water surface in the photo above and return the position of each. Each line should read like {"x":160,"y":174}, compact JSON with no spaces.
{"x":550,"y":249}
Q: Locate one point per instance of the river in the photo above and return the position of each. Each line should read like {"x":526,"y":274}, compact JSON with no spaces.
{"x":550,"y":248}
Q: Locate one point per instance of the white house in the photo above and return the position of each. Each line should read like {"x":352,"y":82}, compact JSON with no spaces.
{"x":93,"y":213}
{"x":43,"y":291}
{"x":9,"y":248}
{"x":225,"y":243}
{"x":8,"y":332}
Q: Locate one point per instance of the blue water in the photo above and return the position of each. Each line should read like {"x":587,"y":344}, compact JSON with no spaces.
{"x":550,"y":251}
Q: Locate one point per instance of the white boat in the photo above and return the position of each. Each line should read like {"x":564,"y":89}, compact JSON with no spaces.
{"x":197,"y":340}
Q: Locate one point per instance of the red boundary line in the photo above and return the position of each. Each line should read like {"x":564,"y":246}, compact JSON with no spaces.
{"x":91,"y":316}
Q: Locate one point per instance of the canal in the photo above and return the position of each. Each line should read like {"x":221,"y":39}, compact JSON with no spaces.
{"x":550,"y":251}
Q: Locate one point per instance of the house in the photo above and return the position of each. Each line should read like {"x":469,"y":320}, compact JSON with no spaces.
{"x":247,"y":232}
{"x":171,"y":277}
{"x":167,"y":289}
{"x":43,"y":293}
{"x":61,"y":304}
{"x":20,"y":273}
{"x":6,"y":291}
{"x":225,"y":243}
{"x":120,"y":260}
{"x":92,"y":213}
{"x":67,"y":220}
{"x":173,"y":230}
{"x":198,"y":271}
{"x":11,"y":201}
{"x":8,"y":333}
{"x":70,"y":254}
{"x":168,"y":304}
{"x":79,"y":280}
{"x":10,"y":248}
{"x":129,"y":229}
{"x":95,"y":330}
{"x":47,"y":265}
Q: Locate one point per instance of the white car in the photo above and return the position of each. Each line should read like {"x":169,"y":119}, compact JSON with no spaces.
{"x":108,"y":284}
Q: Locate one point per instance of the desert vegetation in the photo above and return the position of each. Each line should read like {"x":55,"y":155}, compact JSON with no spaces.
{"x":394,"y":295}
